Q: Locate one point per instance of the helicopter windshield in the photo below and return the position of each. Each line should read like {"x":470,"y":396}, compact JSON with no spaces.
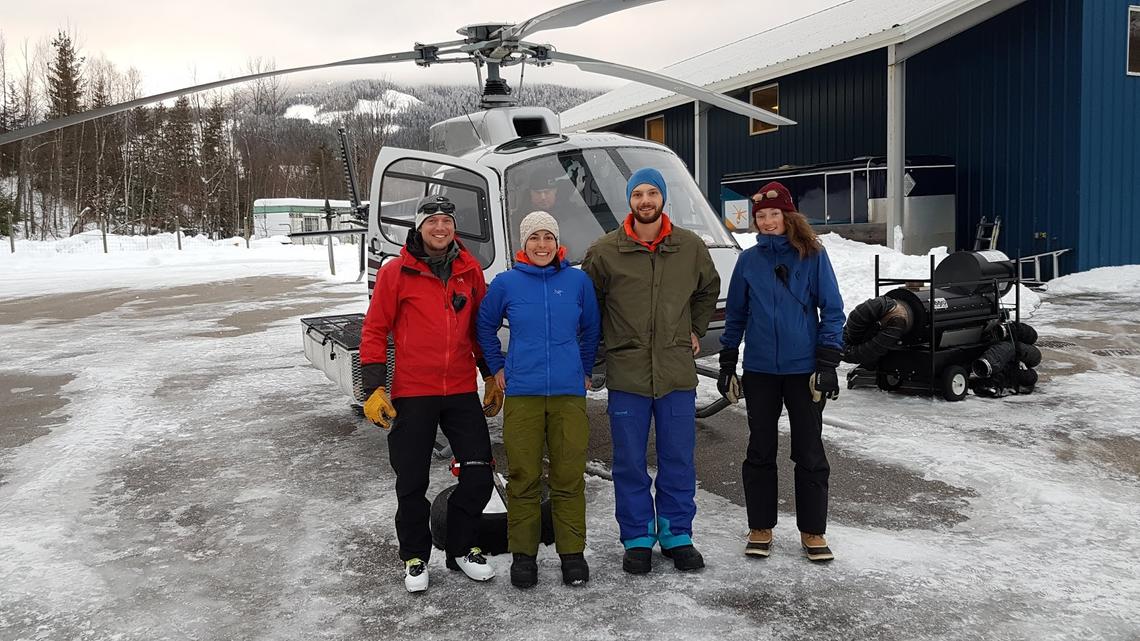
{"x":584,"y":189}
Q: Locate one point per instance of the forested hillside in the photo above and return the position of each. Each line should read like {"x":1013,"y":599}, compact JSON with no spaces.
{"x":200,"y":161}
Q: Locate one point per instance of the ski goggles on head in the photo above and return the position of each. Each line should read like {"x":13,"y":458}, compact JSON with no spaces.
{"x":438,"y":208}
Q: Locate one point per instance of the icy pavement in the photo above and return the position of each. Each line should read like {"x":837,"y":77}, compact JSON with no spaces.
{"x":172,"y":468}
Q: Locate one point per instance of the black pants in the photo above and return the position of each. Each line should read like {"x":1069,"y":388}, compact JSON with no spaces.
{"x":766,"y":395}
{"x":410,"y":449}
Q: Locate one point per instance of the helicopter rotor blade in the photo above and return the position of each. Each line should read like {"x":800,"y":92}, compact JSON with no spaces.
{"x":570,"y":15}
{"x":75,"y":119}
{"x":665,"y":82}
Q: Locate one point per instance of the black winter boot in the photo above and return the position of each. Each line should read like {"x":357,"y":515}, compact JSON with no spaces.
{"x":575,"y":570}
{"x":685,"y":558}
{"x":524,"y":571}
{"x":637,"y":560}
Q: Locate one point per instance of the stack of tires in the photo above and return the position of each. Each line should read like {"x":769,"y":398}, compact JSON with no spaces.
{"x":1009,"y":364}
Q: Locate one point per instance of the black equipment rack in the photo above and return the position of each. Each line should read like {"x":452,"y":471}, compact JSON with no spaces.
{"x":900,"y":368}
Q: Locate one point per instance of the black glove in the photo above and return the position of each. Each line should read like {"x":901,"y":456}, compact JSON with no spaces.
{"x":824,"y":383}
{"x":727,"y":382}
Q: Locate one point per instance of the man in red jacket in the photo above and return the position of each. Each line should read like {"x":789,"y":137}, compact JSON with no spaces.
{"x":427,"y":299}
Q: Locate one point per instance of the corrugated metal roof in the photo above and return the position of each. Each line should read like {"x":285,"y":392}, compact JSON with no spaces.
{"x":847,"y":29}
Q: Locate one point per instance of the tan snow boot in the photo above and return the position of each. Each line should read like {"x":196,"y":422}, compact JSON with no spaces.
{"x":816,"y":547}
{"x":759,"y":543}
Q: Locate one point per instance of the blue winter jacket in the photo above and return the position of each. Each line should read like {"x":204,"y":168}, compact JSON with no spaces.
{"x":553,"y":316}
{"x":782,"y":324}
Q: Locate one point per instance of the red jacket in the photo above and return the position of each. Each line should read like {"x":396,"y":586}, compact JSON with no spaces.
{"x":436,"y":347}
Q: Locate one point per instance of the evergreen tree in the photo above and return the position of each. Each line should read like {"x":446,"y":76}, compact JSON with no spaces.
{"x":65,"y":94}
{"x":106,"y":156}
{"x":8,"y":211}
{"x":65,"y":78}
{"x":179,"y":158}
{"x":11,"y":118}
{"x":216,"y":171}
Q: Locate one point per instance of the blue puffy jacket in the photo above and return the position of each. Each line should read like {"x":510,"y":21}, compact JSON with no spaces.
{"x":782,"y":324}
{"x":553,"y":316}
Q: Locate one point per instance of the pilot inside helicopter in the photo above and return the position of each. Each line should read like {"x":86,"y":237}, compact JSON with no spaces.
{"x":584,"y":189}
{"x":548,"y":187}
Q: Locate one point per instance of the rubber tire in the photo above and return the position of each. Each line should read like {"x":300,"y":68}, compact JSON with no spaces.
{"x":492,"y":527}
{"x":954,"y":382}
{"x":888,"y":382}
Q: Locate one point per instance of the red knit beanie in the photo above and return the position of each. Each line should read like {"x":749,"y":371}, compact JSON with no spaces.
{"x":773,"y":196}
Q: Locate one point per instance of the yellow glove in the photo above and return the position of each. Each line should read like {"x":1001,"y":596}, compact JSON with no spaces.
{"x":492,"y":397}
{"x":379,"y":409}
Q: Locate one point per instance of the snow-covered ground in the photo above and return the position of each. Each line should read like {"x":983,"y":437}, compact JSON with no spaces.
{"x":172,"y":468}
{"x":77,"y":264}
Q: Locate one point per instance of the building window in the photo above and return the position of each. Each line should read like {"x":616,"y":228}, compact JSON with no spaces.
{"x":1134,"y":41}
{"x":655,"y":129}
{"x":766,"y":97}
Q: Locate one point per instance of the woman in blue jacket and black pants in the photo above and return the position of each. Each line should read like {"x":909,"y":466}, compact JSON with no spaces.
{"x":784,"y":302}
{"x":555,"y":326}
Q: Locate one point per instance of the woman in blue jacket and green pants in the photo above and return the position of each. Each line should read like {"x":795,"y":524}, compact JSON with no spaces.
{"x":553,"y":316}
{"x":784,"y":301}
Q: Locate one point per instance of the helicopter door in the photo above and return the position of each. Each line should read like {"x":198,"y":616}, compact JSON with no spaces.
{"x":403,"y":176}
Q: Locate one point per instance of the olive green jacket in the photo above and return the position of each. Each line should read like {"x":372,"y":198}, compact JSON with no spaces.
{"x":650,"y":302}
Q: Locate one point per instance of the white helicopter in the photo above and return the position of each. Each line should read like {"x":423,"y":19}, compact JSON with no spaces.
{"x":487,"y":162}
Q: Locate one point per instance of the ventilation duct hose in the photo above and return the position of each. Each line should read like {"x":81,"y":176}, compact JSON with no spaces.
{"x":873,"y":328}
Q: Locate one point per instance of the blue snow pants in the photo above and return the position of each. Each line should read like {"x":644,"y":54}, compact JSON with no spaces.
{"x":669,"y":520}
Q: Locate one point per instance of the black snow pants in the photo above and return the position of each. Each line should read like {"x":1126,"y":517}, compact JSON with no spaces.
{"x":410,"y":450}
{"x":765,"y":396}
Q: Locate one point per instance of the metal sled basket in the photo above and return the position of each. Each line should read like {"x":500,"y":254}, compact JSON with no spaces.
{"x":332,"y":344}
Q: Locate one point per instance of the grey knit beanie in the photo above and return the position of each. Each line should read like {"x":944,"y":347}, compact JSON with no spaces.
{"x":537,"y":221}
{"x":434,"y":205}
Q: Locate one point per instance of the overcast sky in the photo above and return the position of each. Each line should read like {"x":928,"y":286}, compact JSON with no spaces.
{"x":182,"y":42}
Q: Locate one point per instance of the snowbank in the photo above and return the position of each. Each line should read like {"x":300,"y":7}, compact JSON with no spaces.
{"x":854,"y":264}
{"x":1100,"y":280}
{"x":78,"y":263}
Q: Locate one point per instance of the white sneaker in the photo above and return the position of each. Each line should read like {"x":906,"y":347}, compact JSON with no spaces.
{"x":474,"y":565}
{"x":415,"y":575}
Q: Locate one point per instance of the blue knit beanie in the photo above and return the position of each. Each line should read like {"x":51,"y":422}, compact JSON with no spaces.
{"x":646,"y":176}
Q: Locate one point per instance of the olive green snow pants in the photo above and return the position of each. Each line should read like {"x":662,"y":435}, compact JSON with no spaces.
{"x":558,"y":423}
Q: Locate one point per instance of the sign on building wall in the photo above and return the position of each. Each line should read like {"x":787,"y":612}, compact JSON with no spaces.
{"x":737,"y":214}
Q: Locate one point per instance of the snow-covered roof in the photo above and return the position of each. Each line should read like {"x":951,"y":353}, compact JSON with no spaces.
{"x":842,"y":31}
{"x":299,"y":202}
{"x":277,"y":205}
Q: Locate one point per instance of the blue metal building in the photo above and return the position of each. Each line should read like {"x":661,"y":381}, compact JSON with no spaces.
{"x":1037,"y":102}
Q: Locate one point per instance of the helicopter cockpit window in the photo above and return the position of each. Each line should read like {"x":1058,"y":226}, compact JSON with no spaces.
{"x":584,"y":189}
{"x":406,"y":181}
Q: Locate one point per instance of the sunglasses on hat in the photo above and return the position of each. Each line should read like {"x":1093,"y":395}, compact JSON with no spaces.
{"x":438,"y":208}
{"x":770,"y":194}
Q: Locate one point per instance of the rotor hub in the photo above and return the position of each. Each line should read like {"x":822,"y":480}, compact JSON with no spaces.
{"x":481,"y":32}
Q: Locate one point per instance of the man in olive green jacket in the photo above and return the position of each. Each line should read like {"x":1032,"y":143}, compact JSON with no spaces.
{"x":657,"y":289}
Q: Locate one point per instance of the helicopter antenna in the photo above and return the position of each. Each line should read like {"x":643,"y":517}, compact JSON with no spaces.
{"x":473,"y":127}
